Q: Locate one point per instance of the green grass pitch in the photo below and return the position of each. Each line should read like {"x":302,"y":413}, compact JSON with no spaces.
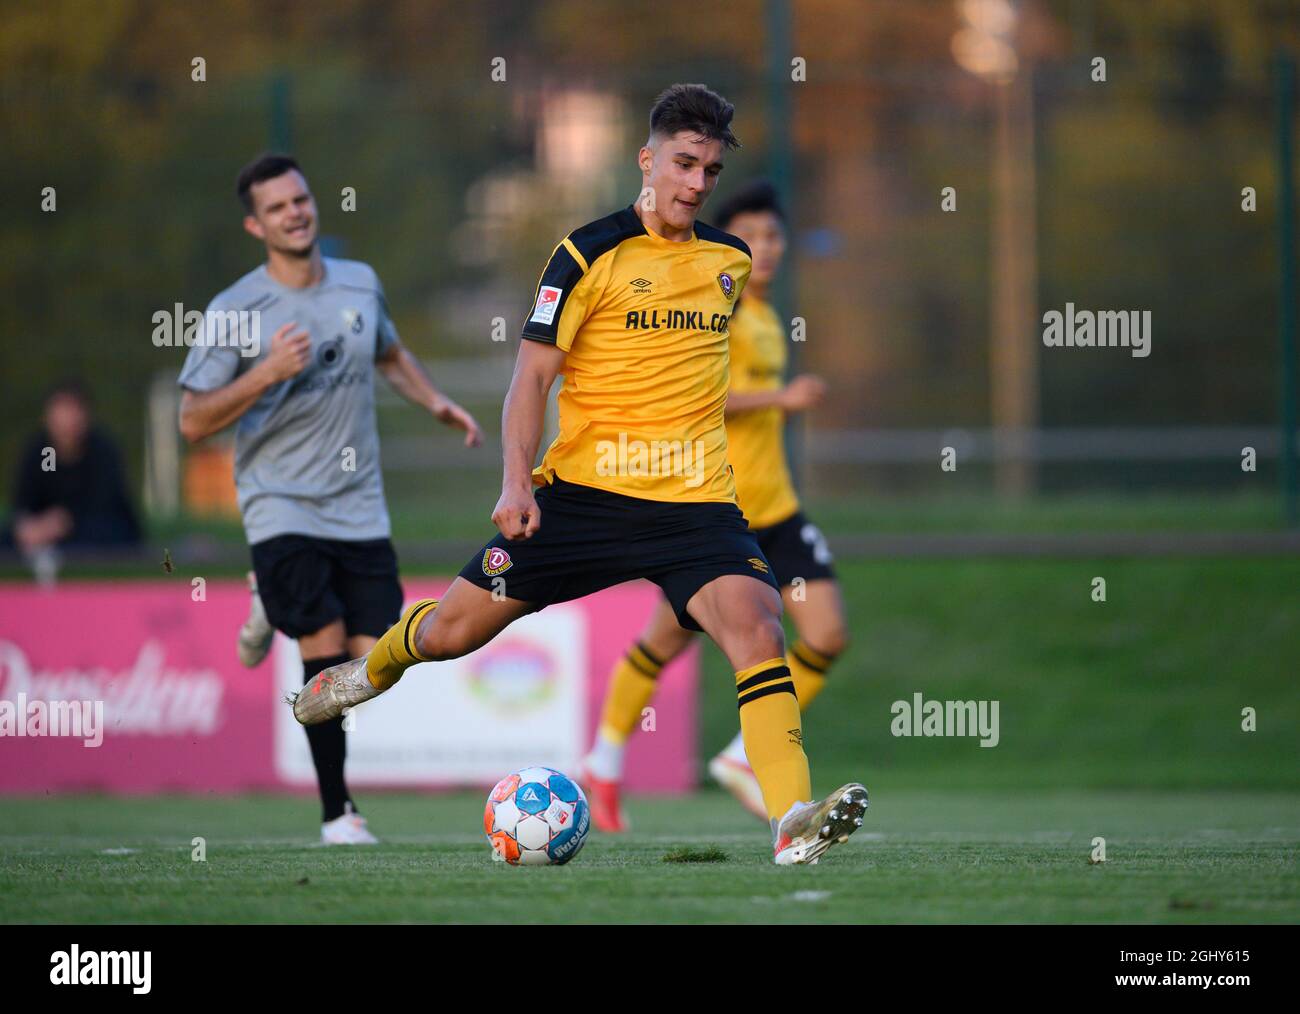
{"x":1120,"y":720}
{"x":921,"y":857}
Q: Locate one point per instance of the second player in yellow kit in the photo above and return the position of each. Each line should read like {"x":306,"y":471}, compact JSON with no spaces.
{"x":755,"y":438}
{"x":759,"y":401}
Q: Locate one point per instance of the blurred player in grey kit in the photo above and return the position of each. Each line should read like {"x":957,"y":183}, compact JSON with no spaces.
{"x":307,"y":447}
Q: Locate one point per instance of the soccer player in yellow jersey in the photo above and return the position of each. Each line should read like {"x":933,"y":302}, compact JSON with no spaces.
{"x":632,"y":311}
{"x":757,"y":404}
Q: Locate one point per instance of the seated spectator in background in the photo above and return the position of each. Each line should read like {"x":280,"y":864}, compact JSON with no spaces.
{"x":70,"y":489}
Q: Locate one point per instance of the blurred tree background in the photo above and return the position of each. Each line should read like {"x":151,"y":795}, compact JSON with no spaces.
{"x":465,"y":183}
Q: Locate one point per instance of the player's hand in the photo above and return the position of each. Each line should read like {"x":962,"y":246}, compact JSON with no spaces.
{"x":447,"y":411}
{"x":803,"y":392}
{"x":289,"y":355}
{"x":517,"y":515}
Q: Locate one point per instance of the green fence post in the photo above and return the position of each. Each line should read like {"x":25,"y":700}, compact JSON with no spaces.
{"x":1284,"y":78}
{"x":780,"y":159}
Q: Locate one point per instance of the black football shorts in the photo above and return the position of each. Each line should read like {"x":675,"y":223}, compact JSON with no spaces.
{"x":795,"y":548}
{"x":591,"y":539}
{"x":307,"y":583}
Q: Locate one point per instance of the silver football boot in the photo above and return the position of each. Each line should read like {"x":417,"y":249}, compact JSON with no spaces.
{"x":809,"y":829}
{"x":327,"y":694}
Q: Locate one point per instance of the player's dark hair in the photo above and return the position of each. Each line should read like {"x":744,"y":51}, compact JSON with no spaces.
{"x":265,"y":167}
{"x":756,"y":195}
{"x":696,"y":108}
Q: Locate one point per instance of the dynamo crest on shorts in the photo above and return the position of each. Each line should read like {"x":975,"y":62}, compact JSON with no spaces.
{"x":496,"y":561}
{"x":728,"y":284}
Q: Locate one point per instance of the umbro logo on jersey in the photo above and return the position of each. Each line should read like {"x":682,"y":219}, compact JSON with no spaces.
{"x":640,"y":284}
{"x":757,"y":564}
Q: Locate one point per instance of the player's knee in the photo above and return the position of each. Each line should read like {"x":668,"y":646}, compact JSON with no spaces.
{"x":440,"y":640}
{"x":768,"y":637}
{"x":832,"y":641}
{"x":666,"y":645}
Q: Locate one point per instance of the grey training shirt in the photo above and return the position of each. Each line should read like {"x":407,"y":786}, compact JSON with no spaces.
{"x":307,"y":451}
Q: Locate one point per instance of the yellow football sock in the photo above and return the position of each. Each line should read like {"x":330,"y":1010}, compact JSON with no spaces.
{"x":808,"y":668}
{"x":631,"y":686}
{"x":770,"y":725}
{"x":395,"y":652}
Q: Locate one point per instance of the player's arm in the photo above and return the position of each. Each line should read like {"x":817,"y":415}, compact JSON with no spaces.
{"x":206,"y":412}
{"x":536,"y":367}
{"x":410,"y":379}
{"x":803,"y":392}
{"x":565,"y":295}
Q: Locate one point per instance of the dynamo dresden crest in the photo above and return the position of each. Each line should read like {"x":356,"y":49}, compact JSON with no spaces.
{"x":496,"y":561}
{"x":728,"y":284}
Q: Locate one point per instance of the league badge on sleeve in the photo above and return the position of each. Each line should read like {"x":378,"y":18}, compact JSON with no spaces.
{"x":548,"y":299}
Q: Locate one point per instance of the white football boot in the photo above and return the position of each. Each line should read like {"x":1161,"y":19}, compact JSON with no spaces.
{"x":327,"y":694}
{"x":349,"y":829}
{"x":809,"y":829}
{"x":737,"y":777}
{"x":256,"y":635}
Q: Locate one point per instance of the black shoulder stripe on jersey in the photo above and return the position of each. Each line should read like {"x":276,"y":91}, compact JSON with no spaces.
{"x":714,"y":235}
{"x":563,"y":273}
{"x":602,"y":235}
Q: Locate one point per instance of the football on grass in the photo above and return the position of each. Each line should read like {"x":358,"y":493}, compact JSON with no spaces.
{"x":536,"y":817}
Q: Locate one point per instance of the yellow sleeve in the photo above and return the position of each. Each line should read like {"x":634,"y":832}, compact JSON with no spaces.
{"x":566,"y":294}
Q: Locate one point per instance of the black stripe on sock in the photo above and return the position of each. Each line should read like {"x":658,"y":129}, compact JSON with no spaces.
{"x":412,"y":622}
{"x":775,"y":688}
{"x":654,"y":659}
{"x":815,"y":667}
{"x":637,"y":664}
{"x":765,"y":676}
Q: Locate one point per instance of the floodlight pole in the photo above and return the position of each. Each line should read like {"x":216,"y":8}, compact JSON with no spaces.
{"x":1013,"y":348}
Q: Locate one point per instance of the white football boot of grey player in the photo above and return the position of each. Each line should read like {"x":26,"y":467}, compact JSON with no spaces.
{"x":738,"y":779}
{"x":256,"y":635}
{"x":328,"y":694}
{"x":809,"y":829}
{"x":349,"y":829}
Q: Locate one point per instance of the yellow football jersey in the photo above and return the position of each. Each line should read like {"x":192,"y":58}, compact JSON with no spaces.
{"x":755,"y":439}
{"x":644,"y":321}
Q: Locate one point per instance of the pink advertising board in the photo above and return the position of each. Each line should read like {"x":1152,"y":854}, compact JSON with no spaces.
{"x":142,"y":685}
